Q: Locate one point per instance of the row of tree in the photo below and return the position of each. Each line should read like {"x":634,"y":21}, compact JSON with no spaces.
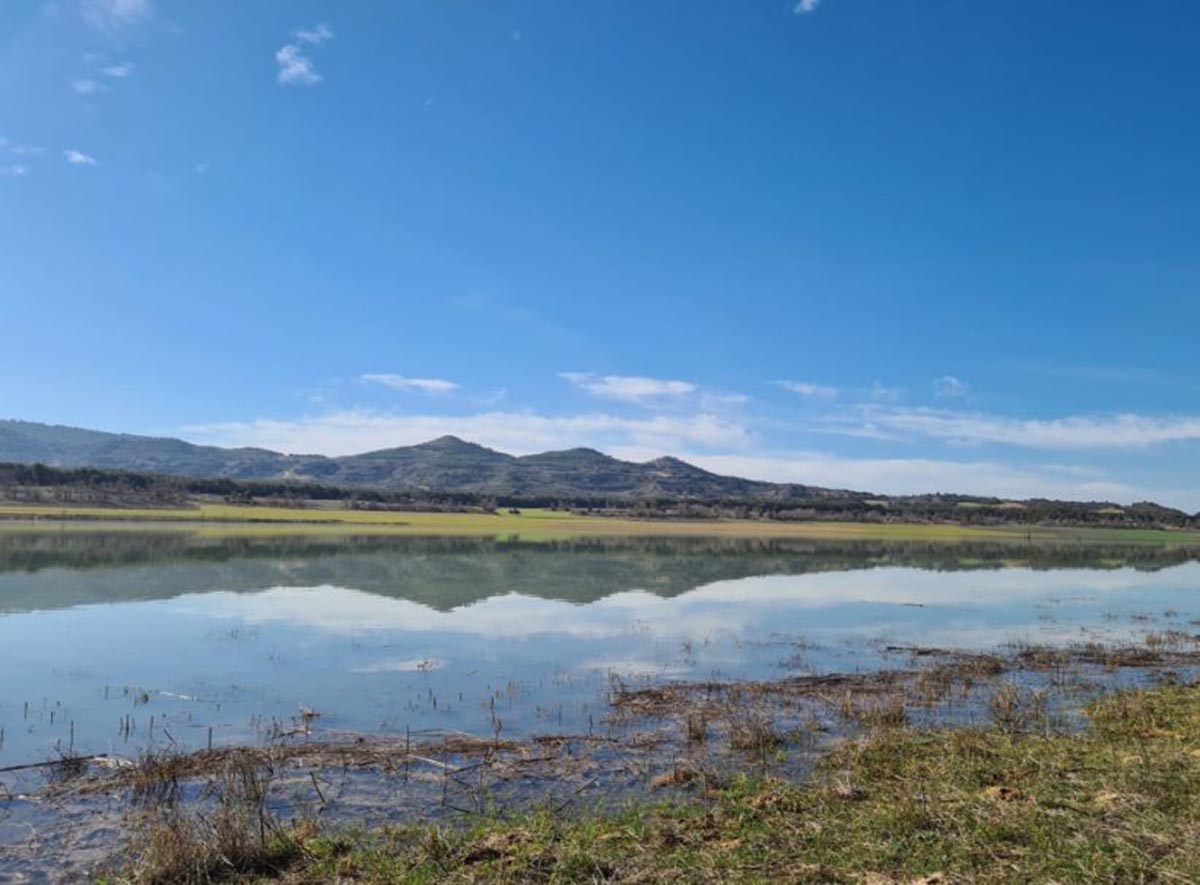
{"x":39,"y":483}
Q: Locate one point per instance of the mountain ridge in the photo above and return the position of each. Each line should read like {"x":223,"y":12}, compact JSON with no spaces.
{"x":454,"y":466}
{"x":445,"y":464}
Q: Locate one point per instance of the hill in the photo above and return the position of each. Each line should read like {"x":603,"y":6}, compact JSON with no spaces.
{"x":82,"y":466}
{"x":444,"y":465}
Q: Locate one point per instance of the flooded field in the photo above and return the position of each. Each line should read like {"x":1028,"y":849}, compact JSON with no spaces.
{"x":120,"y":644}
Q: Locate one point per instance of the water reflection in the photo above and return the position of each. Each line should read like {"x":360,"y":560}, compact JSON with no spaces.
{"x":117,"y":640}
{"x":445,"y":572}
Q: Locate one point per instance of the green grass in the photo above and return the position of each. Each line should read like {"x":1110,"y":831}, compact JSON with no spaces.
{"x":1118,"y":803}
{"x":536,"y":524}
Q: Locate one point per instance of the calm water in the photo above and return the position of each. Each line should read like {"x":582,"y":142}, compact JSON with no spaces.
{"x":102,"y":633}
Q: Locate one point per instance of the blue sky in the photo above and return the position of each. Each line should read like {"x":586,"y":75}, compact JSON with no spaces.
{"x":899,"y":245}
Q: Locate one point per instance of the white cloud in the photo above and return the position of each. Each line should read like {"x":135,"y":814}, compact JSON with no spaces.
{"x":720,"y":610}
{"x":201,"y":168}
{"x":115,"y":15}
{"x":119,"y":71}
{"x":85,"y":86}
{"x":949,"y":387}
{"x":709,"y":441}
{"x":808,"y":389}
{"x":911,"y":476}
{"x":315,"y":36}
{"x":359,"y":430}
{"x":804,"y":7}
{"x":401,"y":382}
{"x":711,"y":400}
{"x":15,"y":170}
{"x":28,"y":150}
{"x":496,"y":397}
{"x":1074,"y":432}
{"x":79,"y":158}
{"x":628,"y":388}
{"x":295,"y":68}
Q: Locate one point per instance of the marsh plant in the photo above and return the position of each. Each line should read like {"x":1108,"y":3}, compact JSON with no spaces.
{"x":229,"y":831}
{"x":1014,"y":708}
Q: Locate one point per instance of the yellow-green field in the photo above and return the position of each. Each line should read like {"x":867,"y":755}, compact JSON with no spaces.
{"x":535,"y":524}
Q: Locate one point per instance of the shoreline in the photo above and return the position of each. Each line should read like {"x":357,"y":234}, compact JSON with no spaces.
{"x":893,"y":795}
{"x":536,"y":525}
{"x":997,"y":804}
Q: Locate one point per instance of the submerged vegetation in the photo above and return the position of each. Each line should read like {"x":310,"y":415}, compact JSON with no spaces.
{"x":1011,"y":801}
{"x":960,"y":766}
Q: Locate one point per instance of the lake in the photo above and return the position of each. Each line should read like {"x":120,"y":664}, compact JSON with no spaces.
{"x":116,"y":641}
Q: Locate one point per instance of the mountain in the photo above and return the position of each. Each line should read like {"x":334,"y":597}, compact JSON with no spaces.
{"x":449,"y":465}
{"x":25,"y":442}
{"x":446,"y":464}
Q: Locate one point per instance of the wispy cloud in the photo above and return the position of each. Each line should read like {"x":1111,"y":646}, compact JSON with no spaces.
{"x":718,"y":400}
{"x":804,"y":7}
{"x":904,"y":476}
{"x":628,"y":388}
{"x":358,"y":430}
{"x":808,"y":389}
{"x":119,"y":71}
{"x":296,"y":68}
{"x":19,"y":169}
{"x":115,"y":15}
{"x":706,"y":440}
{"x":86,"y":86}
{"x":79,"y":158}
{"x":730,"y":446}
{"x":315,"y":36}
{"x":950,"y":387}
{"x":1126,"y":431}
{"x":402,"y":382}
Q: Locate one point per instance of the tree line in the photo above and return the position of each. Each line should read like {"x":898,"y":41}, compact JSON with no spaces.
{"x":92,"y":486}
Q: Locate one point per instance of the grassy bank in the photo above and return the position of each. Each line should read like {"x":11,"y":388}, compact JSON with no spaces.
{"x":1117,"y":803}
{"x":535,"y":524}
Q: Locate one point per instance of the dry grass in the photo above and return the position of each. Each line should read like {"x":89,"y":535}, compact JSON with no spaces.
{"x":229,"y":832}
{"x":1017,"y":709}
{"x":874,"y":712}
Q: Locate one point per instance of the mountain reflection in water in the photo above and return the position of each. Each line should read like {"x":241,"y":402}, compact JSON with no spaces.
{"x":108,"y":633}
